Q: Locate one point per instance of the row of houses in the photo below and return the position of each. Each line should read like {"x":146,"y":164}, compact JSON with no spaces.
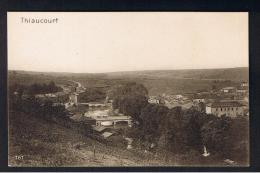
{"x":242,"y":88}
{"x":231,"y":108}
{"x":231,"y":101}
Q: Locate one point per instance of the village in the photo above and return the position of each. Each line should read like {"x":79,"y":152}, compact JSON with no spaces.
{"x":106,"y":121}
{"x":229,"y":101}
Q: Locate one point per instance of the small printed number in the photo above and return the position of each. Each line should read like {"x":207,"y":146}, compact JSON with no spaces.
{"x":19,"y":157}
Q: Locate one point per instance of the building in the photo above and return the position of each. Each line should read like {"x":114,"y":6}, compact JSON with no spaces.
{"x":178,"y":96}
{"x":50,"y":95}
{"x":73,"y":98}
{"x":113,"y":120}
{"x":154,"y":100}
{"x":241,"y":90}
{"x":244,"y":84}
{"x":228,"y":90}
{"x":231,"y":109}
{"x":198,"y":100}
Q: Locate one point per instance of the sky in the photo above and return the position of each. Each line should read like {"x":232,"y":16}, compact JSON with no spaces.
{"x":97,"y":42}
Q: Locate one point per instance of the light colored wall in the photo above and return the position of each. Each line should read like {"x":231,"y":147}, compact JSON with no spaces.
{"x":74,"y":98}
{"x":228,"y":111}
{"x":208,"y":110}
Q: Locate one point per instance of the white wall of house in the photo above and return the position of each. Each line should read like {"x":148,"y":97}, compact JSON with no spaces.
{"x":229,"y":111}
{"x":153,"y":101}
{"x":208,"y":110}
{"x":73,"y":98}
{"x":199,"y":100}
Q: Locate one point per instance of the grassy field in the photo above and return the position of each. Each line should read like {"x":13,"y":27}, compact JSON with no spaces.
{"x":43,"y":143}
{"x":47,"y":144}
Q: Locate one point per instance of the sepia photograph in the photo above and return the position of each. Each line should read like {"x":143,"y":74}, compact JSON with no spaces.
{"x":128,"y":89}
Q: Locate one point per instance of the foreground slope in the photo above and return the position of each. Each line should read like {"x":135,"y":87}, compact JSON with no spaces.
{"x":44,"y":143}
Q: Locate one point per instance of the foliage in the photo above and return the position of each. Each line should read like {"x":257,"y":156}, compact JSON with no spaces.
{"x":178,"y":131}
{"x":92,"y":94}
{"x":214,"y":135}
{"x":130,"y":99}
{"x":175,"y":130}
{"x":36,"y":107}
{"x":35,"y":88}
{"x":130,"y":88}
{"x":43,"y":88}
{"x":151,"y":117}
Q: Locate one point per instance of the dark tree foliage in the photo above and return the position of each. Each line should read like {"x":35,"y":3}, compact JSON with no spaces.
{"x":202,"y":107}
{"x":18,"y":88}
{"x":130,"y":98}
{"x":131,"y":88}
{"x":193,"y":126}
{"x":237,"y":142}
{"x":131,"y":105}
{"x":43,"y":88}
{"x":92,"y":94}
{"x":215,"y":135}
{"x":176,"y":131}
{"x":47,"y":111}
{"x":33,"y":106}
{"x":151,"y":117}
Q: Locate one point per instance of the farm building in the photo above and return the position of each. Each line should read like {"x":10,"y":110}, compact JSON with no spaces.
{"x":228,"y":90}
{"x":231,"y":109}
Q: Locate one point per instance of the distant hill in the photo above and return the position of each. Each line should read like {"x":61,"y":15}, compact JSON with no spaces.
{"x":156,"y":81}
{"x":240,"y":74}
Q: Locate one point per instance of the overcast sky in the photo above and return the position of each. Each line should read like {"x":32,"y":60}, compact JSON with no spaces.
{"x":111,"y":41}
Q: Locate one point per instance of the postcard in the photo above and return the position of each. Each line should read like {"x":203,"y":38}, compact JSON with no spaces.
{"x":128,"y":89}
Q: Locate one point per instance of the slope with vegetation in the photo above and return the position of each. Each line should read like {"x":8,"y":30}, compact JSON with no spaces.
{"x":176,"y":131}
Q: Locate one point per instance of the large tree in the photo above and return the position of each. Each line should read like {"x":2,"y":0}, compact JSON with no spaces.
{"x":152,"y":116}
{"x":215,"y":136}
{"x":129,"y":98}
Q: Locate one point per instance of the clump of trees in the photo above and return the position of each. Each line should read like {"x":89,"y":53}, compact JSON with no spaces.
{"x":129,"y":99}
{"x":178,"y":131}
{"x":48,"y":111}
{"x":92,"y":94}
{"x":33,"y":106}
{"x":35,"y":88}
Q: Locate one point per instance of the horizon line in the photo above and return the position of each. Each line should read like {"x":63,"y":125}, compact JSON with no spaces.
{"x":35,"y":71}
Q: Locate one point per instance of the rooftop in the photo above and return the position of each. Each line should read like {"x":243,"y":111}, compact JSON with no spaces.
{"x":99,"y":128}
{"x":122,"y":117}
{"x":228,"y":88}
